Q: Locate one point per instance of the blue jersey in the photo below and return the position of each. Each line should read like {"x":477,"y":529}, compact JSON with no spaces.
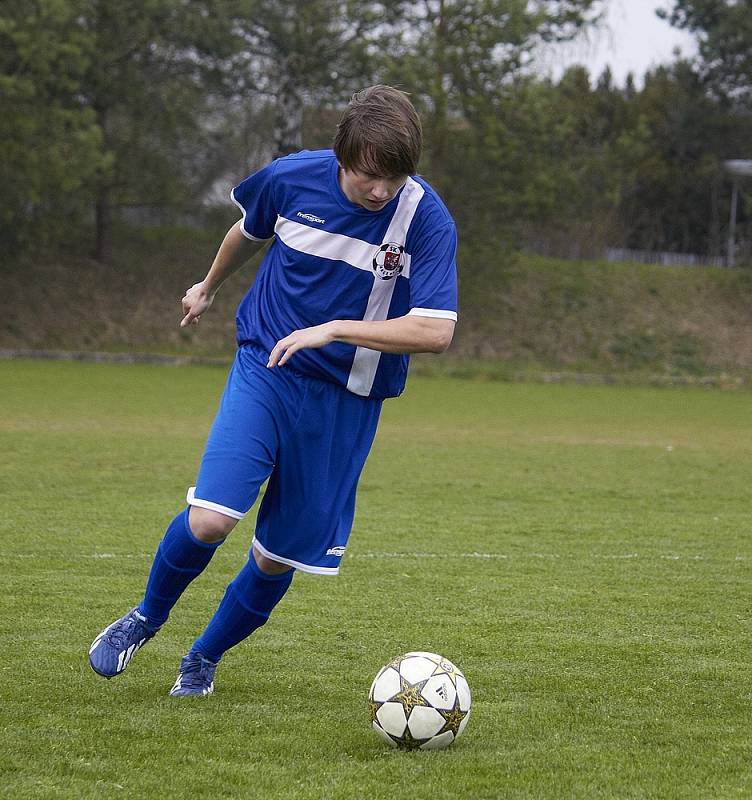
{"x":332,"y":259}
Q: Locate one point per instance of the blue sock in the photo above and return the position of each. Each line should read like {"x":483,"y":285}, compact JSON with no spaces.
{"x":179,"y":559}
{"x":247,"y":603}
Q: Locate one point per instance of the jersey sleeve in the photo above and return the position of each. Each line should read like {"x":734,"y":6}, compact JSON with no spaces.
{"x":255,"y":199}
{"x":433,"y":275}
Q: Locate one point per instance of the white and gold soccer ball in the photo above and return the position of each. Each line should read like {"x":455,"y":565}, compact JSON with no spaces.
{"x":419,"y":701}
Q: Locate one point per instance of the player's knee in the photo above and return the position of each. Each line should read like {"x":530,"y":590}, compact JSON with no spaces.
{"x":268,"y":565}
{"x":210,"y":526}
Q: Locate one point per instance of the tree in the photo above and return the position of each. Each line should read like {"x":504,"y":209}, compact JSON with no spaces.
{"x":147,"y":83}
{"x":576,"y":146}
{"x":51,"y":145}
{"x":676,"y":202}
{"x":105,"y":104}
{"x":724,"y":33}
{"x":306,"y":52}
{"x":460,"y":58}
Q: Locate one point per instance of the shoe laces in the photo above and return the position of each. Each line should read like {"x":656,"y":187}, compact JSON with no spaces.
{"x":127,"y":629}
{"x":197,"y":670}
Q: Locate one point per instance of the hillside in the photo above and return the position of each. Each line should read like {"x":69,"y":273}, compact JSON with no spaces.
{"x":518,"y":313}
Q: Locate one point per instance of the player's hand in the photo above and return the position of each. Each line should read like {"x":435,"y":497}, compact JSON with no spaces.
{"x":197,"y":299}
{"x":317,"y":336}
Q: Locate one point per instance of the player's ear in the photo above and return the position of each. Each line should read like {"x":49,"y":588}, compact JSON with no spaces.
{"x":349,"y":170}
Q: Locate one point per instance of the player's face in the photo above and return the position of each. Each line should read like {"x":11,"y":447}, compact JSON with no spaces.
{"x":370,"y":191}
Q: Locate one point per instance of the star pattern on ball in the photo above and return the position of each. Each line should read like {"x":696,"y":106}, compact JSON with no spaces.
{"x":453,"y":718}
{"x":374,"y":707}
{"x":410,"y":695}
{"x":407,"y":741}
{"x":445,"y":668}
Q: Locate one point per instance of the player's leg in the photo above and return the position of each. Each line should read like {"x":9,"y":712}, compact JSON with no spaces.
{"x":238,"y":458}
{"x":245,"y":607}
{"x":182,"y":555}
{"x":251,"y":596}
{"x":304,"y":521}
{"x":185,"y":551}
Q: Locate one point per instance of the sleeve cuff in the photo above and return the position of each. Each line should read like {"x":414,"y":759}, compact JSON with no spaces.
{"x":436,"y":313}
{"x":242,"y":224}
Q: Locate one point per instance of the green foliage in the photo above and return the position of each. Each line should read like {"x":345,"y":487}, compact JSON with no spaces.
{"x":153,"y":71}
{"x":458,"y":59}
{"x":570,"y":168}
{"x":635,"y":350}
{"x":561,"y":157}
{"x":687,"y":354}
{"x":102,"y":100}
{"x":724,"y":34}
{"x":51,"y":144}
{"x":159,"y":106}
{"x":678,"y":199}
{"x":583,"y":553}
{"x":302,"y":54}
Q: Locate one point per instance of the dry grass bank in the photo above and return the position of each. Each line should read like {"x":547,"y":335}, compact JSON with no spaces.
{"x":522,"y":311}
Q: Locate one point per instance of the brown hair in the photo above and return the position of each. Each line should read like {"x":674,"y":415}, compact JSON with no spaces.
{"x":380,"y":133}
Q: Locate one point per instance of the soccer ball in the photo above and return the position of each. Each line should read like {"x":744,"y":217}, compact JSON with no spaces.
{"x":419,"y":701}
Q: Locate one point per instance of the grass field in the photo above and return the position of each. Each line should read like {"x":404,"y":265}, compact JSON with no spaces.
{"x":583,"y":553}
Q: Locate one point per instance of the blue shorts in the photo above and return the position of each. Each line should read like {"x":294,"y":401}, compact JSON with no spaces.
{"x":310,"y":438}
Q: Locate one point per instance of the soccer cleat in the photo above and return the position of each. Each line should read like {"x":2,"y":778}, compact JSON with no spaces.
{"x":196,"y":676}
{"x":113,"y":649}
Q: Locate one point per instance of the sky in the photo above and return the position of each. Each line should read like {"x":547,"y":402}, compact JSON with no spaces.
{"x":631,"y":39}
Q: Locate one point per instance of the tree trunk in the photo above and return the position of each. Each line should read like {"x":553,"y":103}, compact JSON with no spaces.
{"x":288,"y":128}
{"x":103,"y":200}
{"x":439,"y":116}
{"x":103,"y":225}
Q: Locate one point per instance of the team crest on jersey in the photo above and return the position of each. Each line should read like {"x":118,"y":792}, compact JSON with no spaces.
{"x":389,"y":261}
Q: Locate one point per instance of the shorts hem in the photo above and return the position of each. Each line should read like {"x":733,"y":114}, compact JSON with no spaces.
{"x":192,"y":500}
{"x":292,"y":563}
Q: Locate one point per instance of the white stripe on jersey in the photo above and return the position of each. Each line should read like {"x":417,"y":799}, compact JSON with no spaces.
{"x":366,"y":361}
{"x":411,"y":195}
{"x":334,"y":246}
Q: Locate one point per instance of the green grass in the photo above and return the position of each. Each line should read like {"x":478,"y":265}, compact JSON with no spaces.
{"x":583,"y":553}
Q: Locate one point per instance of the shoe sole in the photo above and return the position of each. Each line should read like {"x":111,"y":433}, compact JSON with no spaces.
{"x":102,"y":674}
{"x":204,"y":693}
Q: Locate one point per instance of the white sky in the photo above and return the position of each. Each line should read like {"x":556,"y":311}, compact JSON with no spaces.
{"x":631,"y":39}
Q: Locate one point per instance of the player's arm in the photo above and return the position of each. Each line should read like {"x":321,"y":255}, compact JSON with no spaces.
{"x":234,"y":251}
{"x":408,"y":334}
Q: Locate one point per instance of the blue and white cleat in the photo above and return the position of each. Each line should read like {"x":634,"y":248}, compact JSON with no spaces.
{"x":196,"y":676}
{"x":113,"y":649}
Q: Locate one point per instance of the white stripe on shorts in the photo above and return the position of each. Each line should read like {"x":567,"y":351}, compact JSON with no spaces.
{"x":290,"y":562}
{"x":192,"y":500}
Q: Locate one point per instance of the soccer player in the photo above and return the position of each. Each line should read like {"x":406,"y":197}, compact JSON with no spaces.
{"x":361,"y":272}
